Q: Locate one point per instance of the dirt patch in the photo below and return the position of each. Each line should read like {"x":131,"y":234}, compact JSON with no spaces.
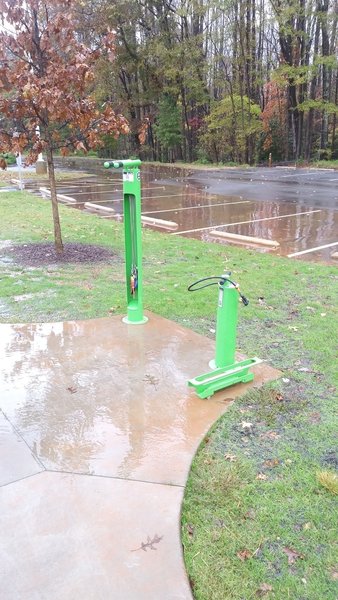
{"x":35,"y":255}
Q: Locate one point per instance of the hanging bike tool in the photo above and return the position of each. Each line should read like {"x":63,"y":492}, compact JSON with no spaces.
{"x":226,"y":370}
{"x":132,"y":237}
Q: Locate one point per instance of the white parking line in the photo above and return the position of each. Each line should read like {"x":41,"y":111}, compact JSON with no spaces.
{"x":148,"y":212}
{"x":312,"y":250}
{"x":308,"y":212}
{"x":333,"y":179}
{"x":110,"y":183}
{"x":121,"y":200}
{"x":299,"y":175}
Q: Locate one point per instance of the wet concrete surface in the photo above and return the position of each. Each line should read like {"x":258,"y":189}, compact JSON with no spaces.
{"x":296,"y":207}
{"x":68,"y":537}
{"x":97,"y":433}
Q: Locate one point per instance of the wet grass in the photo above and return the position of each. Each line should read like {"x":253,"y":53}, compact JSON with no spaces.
{"x":7,"y":176}
{"x":258,"y":513}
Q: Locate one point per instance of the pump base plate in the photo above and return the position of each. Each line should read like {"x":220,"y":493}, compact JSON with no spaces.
{"x":209,"y":383}
{"x":129,"y":322}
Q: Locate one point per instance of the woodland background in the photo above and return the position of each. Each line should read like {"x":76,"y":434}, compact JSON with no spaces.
{"x":222,"y":80}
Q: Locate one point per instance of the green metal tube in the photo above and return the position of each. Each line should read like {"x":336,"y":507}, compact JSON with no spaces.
{"x":227,"y":316}
{"x":132,"y":238}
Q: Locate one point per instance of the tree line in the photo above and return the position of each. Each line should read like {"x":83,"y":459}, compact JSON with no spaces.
{"x":221,"y":80}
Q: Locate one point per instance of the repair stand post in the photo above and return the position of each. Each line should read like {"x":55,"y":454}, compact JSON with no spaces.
{"x":132,"y":237}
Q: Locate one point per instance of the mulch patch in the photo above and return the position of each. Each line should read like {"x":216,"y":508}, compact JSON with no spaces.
{"x":39,"y":254}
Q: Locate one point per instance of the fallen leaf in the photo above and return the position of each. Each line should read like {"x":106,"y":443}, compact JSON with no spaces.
{"x":244,"y":554}
{"x":246,"y":426}
{"x":262,"y":302}
{"x":250,"y":514}
{"x":279,"y":397}
{"x":292,"y":555}
{"x":261,"y":476}
{"x":71,"y":389}
{"x":219,"y":523}
{"x":230,"y":457}
{"x":190,"y":529}
{"x":272,"y":435}
{"x":334,"y":574}
{"x":264,"y":589}
{"x":150,"y":543}
{"x":271,"y":464}
{"x":314,"y":417}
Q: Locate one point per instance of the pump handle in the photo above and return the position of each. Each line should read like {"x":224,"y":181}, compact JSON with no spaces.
{"x":220,"y":279}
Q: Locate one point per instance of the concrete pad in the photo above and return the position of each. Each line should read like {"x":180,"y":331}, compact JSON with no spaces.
{"x":16,"y":459}
{"x":66,"y":537}
{"x":108,"y":406}
{"x":106,"y":398}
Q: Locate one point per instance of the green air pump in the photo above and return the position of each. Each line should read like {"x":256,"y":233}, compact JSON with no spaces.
{"x":226,"y":371}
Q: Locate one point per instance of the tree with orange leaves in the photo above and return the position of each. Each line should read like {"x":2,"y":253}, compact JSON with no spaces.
{"x":274,"y":118}
{"x":46,"y":86}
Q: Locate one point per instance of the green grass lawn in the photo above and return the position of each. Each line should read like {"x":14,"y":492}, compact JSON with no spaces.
{"x":259,"y":517}
{"x":9,"y":174}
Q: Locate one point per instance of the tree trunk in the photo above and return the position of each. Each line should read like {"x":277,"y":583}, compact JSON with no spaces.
{"x":55,"y":208}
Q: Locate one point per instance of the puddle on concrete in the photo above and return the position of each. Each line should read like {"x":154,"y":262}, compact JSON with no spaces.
{"x":266,"y":203}
{"x":111,"y":399}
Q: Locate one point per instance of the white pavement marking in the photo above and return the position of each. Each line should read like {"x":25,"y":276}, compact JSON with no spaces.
{"x":121,"y":200}
{"x":299,"y":175}
{"x":148,"y":212}
{"x":333,"y":179}
{"x":312,"y":250}
{"x":307,"y":212}
{"x":90,"y":183}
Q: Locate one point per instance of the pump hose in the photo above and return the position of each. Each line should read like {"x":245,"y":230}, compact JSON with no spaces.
{"x":220,"y":279}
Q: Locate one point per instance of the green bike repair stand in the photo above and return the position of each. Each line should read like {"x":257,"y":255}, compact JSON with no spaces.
{"x":132,"y":237}
{"x":226,"y":370}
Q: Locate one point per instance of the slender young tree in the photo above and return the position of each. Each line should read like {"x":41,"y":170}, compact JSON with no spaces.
{"x":46,"y":86}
